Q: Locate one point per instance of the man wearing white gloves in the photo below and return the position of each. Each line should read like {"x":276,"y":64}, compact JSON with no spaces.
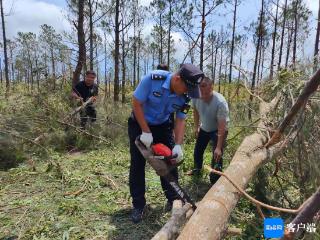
{"x":159,"y":94}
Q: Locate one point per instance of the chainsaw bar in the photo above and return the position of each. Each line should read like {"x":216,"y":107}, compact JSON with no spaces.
{"x":163,"y":170}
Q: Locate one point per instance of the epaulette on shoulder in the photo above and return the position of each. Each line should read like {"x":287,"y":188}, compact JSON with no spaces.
{"x":157,"y":76}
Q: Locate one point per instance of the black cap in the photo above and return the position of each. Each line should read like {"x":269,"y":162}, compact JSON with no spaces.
{"x":192,"y":76}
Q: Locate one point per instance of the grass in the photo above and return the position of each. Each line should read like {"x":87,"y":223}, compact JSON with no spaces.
{"x":36,"y":204}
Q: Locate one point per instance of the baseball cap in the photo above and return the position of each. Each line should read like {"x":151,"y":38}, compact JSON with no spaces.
{"x":192,"y":76}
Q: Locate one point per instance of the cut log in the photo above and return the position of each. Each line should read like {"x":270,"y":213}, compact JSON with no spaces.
{"x":179,"y":216}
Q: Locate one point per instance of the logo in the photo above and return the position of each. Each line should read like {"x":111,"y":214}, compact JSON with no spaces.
{"x":176,"y":106}
{"x":157,"y":94}
{"x":273,"y":228}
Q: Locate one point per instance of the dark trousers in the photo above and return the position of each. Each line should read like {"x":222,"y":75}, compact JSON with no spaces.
{"x":201,"y":145}
{"x":89,"y":112}
{"x":161,"y":134}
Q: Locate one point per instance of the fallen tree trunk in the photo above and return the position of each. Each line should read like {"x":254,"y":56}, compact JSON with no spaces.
{"x":180,"y":214}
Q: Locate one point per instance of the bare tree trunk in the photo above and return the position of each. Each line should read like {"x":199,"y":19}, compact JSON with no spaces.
{"x":215,"y":65}
{"x":259,"y":64}
{"x":169,"y":32}
{"x":274,"y":42}
{"x":239,"y":75}
{"x":316,"y":45}
{"x":53,"y":68}
{"x":116,"y":53}
{"x":135,"y":53}
{"x":12,"y":66}
{"x":123,"y":64}
{"x":31,"y":76}
{"x":220,"y":69}
{"x":90,"y":3}
{"x":203,"y":26}
{"x":105,"y":60}
{"x":262,"y":62}
{"x":6,"y":68}
{"x":282,"y":34}
{"x":296,"y":22}
{"x":225,"y":78}
{"x":97,"y":64}
{"x":253,"y":83}
{"x":290,"y":33}
{"x":233,"y":38}
{"x":82,"y":44}
{"x":161,"y":42}
{"x":37,"y":76}
{"x":138,"y":59}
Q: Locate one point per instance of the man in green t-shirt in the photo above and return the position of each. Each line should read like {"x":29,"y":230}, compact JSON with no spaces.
{"x":211,"y":117}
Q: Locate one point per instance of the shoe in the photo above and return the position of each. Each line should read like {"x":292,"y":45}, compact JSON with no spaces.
{"x":136,"y":215}
{"x":194,"y":172}
{"x":168,"y":206}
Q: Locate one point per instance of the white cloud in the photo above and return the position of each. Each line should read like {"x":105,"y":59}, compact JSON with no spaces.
{"x":28,"y":15}
{"x":180,"y":45}
{"x":313,"y":5}
{"x":145,"y":3}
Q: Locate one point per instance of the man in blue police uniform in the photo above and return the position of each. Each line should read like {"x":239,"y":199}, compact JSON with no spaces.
{"x":159,"y":94}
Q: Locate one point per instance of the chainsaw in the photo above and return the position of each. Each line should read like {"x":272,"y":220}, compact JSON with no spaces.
{"x":160,"y":157}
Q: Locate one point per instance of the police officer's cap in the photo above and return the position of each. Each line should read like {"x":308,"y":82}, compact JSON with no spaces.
{"x":192,"y":76}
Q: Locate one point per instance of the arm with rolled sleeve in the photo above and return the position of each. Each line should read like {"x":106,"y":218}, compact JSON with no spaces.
{"x":179,"y":129}
{"x":222,"y":116}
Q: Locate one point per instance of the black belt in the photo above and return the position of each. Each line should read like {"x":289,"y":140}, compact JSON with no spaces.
{"x":133,"y":118}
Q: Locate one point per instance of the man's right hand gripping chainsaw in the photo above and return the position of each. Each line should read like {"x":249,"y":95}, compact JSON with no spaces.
{"x":159,"y":156}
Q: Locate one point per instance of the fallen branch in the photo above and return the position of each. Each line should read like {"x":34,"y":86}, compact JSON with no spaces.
{"x":78,"y":109}
{"x":76,"y":193}
{"x":253,"y":200}
{"x":178,"y":218}
{"x":83,"y":131}
{"x":310,"y":87}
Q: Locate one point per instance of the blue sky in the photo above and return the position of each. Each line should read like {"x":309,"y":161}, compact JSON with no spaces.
{"x":28,"y":15}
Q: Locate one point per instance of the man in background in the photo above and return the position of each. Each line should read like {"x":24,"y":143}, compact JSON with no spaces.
{"x":82,"y":92}
{"x":211,"y":117}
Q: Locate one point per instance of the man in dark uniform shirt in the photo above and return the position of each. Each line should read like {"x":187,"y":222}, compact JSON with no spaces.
{"x":82,"y":92}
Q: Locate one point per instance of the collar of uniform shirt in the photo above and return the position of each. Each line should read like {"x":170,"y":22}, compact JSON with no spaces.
{"x":166,"y":85}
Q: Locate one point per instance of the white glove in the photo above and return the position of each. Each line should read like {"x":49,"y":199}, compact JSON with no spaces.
{"x":177,"y":150}
{"x":146,"y":139}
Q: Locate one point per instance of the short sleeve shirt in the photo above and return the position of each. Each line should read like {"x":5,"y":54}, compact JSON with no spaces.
{"x":210,"y":113}
{"x":158,"y":101}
